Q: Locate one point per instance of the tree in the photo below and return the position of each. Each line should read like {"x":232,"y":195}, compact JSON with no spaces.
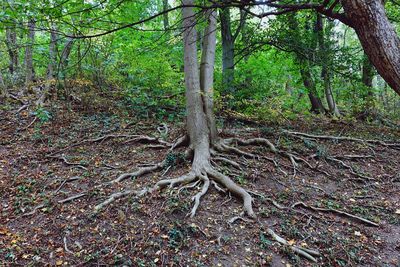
{"x":29,"y":70}
{"x":325,"y":58}
{"x":229,"y":37}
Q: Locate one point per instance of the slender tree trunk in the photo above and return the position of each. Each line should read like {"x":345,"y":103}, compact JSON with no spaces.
{"x":228,"y":52}
{"x":3,"y":88}
{"x":29,"y":71}
{"x":12,"y":49}
{"x":207,"y":73}
{"x":367,"y":78}
{"x":63,"y":64}
{"x":47,"y":92}
{"x":52,"y":54}
{"x":377,"y":36}
{"x":165,"y":15}
{"x":326,"y":60}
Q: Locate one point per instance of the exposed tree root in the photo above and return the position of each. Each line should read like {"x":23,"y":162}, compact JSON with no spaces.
{"x":307,"y":253}
{"x":76,"y":165}
{"x":336,"y":211}
{"x":134,"y":138}
{"x":71,"y":198}
{"x":344,"y":138}
{"x":228,"y":161}
{"x":140,"y":172}
{"x":352,"y":171}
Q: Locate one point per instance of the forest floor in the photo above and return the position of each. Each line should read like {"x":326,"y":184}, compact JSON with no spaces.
{"x":47,"y":203}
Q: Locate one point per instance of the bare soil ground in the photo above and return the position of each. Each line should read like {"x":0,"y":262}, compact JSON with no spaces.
{"x":41,"y":225}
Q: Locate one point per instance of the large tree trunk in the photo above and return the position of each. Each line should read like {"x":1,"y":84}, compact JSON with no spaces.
{"x":326,"y":60}
{"x":228,"y":52}
{"x":377,"y":36}
{"x":29,"y":71}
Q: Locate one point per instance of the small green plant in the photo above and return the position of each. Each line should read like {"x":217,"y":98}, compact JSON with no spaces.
{"x":264,"y":241}
{"x":42,"y":114}
{"x":173,"y":159}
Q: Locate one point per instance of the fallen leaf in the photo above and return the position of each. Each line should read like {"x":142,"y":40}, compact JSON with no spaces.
{"x":59,"y":262}
{"x":397,"y":211}
{"x":291,"y":242}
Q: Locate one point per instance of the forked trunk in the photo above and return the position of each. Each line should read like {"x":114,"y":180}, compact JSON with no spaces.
{"x":197,"y":126}
{"x":199,"y":106}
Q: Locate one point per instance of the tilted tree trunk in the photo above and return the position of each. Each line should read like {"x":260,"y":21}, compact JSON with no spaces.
{"x":377,"y":36}
{"x":309,"y":84}
{"x":29,"y":71}
{"x":326,"y":61}
{"x":12,"y":49}
{"x":63,"y":65}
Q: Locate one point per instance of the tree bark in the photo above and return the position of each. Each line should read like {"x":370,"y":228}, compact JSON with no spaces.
{"x":207,"y":73}
{"x":29,"y":71}
{"x":377,"y":36}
